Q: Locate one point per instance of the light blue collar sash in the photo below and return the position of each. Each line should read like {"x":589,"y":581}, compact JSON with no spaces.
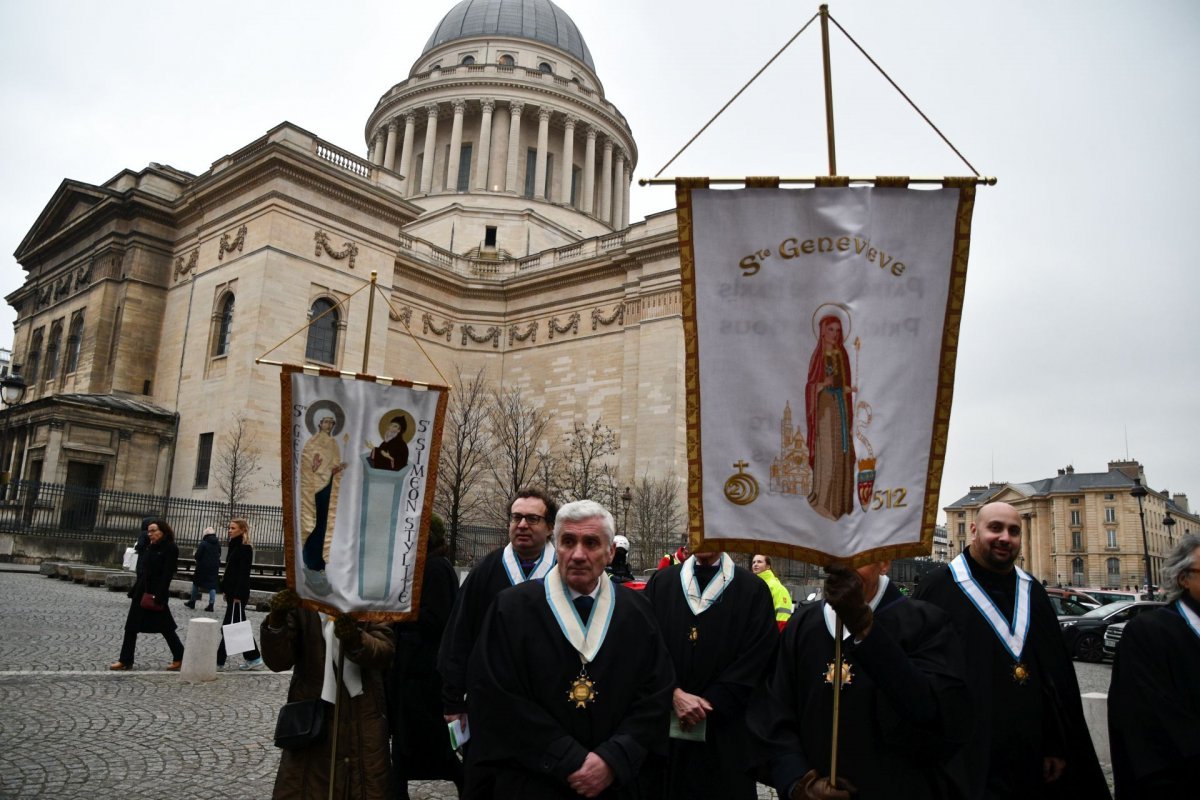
{"x":699,"y":601}
{"x":1189,"y":617}
{"x":1013,"y":638}
{"x":541,"y":567}
{"x":586,"y":639}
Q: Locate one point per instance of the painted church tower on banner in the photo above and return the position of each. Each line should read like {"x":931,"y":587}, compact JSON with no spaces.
{"x":491,"y":196}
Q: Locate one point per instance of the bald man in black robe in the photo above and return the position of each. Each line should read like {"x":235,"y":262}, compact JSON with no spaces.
{"x":718,"y":622}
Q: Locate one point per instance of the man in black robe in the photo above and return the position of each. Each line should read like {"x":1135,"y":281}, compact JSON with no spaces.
{"x":1030,"y":738}
{"x":392,"y":452}
{"x":570,"y":683}
{"x":903,"y":700}
{"x":1154,"y":700}
{"x":719,"y":626}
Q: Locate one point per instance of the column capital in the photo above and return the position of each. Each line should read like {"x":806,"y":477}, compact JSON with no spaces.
{"x":608,"y":144}
{"x":459,"y":106}
{"x":590,"y":131}
{"x":570,"y":121}
{"x":618,"y":154}
{"x":393,"y":124}
{"x":515,"y":107}
{"x":544,"y":114}
{"x":410,"y":118}
{"x":431,"y":110}
{"x":487,"y":105}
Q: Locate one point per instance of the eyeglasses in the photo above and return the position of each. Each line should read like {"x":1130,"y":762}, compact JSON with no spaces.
{"x":532,"y":519}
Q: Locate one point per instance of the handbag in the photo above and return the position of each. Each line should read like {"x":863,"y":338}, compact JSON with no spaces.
{"x":148,"y":603}
{"x":239,"y":636}
{"x":301,"y":723}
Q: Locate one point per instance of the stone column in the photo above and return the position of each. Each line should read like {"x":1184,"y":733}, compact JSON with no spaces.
{"x":568,"y":158}
{"x":618,"y":201}
{"x":486,"y":106}
{"x":514,"y":143}
{"x":406,"y":157}
{"x":375,"y":148}
{"x":455,"y":157}
{"x":431,"y":111}
{"x":543,"y":148}
{"x":589,"y":172}
{"x":625,"y":192}
{"x":605,"y":210}
{"x":498,"y":160}
{"x":389,"y":154}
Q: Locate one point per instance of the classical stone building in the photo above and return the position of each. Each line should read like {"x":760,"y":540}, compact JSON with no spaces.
{"x":492,"y":202}
{"x":1084,"y":528}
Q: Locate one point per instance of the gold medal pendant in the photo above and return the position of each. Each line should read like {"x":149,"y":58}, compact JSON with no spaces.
{"x":1020,"y":673}
{"x":693,"y":635}
{"x":583,"y":690}
{"x":847,"y":675}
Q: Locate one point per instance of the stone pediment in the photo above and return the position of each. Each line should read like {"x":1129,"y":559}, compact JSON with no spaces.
{"x":70,"y":203}
{"x":1010,"y":494}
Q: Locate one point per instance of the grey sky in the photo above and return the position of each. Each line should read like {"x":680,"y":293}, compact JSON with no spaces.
{"x":1082,"y":271}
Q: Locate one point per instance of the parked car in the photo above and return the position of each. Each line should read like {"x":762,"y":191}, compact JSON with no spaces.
{"x":1116,"y":595}
{"x":1084,"y":634}
{"x":1111,"y":637}
{"x":1071,"y":602}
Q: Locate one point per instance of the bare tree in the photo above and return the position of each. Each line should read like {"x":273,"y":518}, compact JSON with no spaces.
{"x":518,"y":433}
{"x":658,"y":520}
{"x":585,"y":475}
{"x":466,"y":446}
{"x":237,"y":464}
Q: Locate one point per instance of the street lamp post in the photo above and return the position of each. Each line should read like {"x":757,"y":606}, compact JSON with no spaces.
{"x":12,"y":392}
{"x":1169,"y":521}
{"x":626,"y":501}
{"x":1140,"y":492}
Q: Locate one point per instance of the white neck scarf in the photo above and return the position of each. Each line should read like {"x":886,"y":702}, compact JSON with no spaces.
{"x":541,"y":568}
{"x":351,"y":674}
{"x":831,"y":615}
{"x":699,"y":601}
{"x":586,"y":639}
{"x":1189,"y":617}
{"x":1012,"y":637}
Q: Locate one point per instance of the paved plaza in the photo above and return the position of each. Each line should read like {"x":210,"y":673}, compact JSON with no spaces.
{"x":69,"y":728}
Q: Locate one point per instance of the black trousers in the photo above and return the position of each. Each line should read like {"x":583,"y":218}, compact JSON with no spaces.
{"x":230,"y":609}
{"x":130,"y":642}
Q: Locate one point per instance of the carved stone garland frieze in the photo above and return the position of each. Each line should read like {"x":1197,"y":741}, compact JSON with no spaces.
{"x":428,"y":327}
{"x":182,"y":269}
{"x":227,"y":247}
{"x":404,"y":315}
{"x":492,"y":335}
{"x":617,"y":316}
{"x":572,"y":325}
{"x":349,"y":249}
{"x":530,"y":334}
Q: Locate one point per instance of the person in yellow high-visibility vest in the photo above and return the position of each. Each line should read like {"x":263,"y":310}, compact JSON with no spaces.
{"x":781,"y":599}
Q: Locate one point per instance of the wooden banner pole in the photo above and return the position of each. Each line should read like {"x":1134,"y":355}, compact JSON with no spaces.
{"x":370,"y":316}
{"x":828,"y":89}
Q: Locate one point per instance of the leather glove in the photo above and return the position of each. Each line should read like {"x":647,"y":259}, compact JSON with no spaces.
{"x":282,"y":602}
{"x":813,"y":787}
{"x":347,"y":631}
{"x":844,"y":593}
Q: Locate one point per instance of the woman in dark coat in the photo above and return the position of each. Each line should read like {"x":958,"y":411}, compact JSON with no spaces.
{"x":420,"y":742}
{"x":236,"y":586}
{"x":155,"y":569}
{"x":208,"y":569}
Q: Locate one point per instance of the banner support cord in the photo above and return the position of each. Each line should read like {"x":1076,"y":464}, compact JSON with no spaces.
{"x":370,"y":316}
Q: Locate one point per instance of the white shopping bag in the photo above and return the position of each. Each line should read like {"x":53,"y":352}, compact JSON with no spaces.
{"x":129,"y":562}
{"x":239,"y":636}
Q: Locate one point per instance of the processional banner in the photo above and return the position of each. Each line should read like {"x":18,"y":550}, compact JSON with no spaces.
{"x":821,"y":328}
{"x":359,"y":469}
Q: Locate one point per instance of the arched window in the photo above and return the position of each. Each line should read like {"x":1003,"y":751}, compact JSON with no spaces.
{"x":34,"y":358}
{"x":1077,"y":576}
{"x":506,"y":61}
{"x":545,"y":67}
{"x":1114,"y":571}
{"x":468,"y":61}
{"x":322,"y":332}
{"x":74,"y":342}
{"x":52,"y":349}
{"x":224,"y":320}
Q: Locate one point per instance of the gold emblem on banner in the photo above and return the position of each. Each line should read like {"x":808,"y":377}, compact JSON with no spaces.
{"x":741,"y":489}
{"x":847,"y":675}
{"x":582,"y":691}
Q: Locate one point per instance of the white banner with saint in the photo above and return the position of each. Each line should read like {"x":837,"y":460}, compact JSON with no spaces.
{"x":821,"y":329}
{"x":359,"y":470}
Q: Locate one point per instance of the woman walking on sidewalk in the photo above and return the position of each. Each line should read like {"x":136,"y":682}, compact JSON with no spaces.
{"x":148,"y":612}
{"x":235,"y":585}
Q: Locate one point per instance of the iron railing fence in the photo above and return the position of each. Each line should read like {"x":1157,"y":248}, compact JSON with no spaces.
{"x":78,"y":512}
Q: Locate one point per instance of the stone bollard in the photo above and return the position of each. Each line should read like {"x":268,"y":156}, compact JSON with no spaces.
{"x":1095,"y":713}
{"x":200,"y":654}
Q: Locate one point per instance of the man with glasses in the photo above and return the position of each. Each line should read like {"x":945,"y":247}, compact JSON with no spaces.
{"x":527,"y":556}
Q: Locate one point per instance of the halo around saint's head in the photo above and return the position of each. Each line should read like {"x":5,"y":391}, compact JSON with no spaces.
{"x":325,"y":408}
{"x":838,"y":310}
{"x":404,"y":418}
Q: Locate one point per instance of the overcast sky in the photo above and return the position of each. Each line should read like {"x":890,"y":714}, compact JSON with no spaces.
{"x":1079,"y":335}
